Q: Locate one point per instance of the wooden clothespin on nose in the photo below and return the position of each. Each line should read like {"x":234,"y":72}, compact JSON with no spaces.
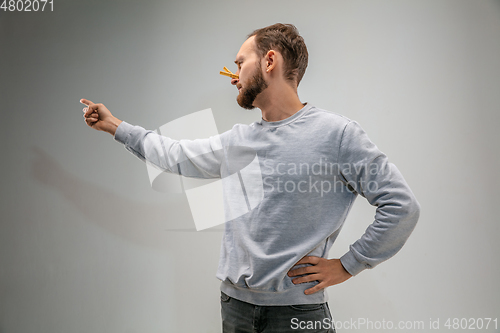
{"x":227,"y":72}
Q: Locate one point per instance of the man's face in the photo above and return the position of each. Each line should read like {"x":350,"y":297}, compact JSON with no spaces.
{"x":251,"y":81}
{"x":252,"y":88}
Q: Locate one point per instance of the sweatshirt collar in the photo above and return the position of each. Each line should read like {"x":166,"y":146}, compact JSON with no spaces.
{"x":288,"y":120}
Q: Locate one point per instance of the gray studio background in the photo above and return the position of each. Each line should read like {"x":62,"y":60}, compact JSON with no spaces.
{"x":86,"y":245}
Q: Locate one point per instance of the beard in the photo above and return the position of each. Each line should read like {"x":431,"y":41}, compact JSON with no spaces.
{"x":253,"y":88}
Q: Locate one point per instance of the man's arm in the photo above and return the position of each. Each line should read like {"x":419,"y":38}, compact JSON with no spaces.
{"x":199,"y":158}
{"x":366,"y":171}
{"x":372,"y":176}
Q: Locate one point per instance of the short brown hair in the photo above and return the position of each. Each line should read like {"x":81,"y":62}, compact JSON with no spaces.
{"x":285,"y":39}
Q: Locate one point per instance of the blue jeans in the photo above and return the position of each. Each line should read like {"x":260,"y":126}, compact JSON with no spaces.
{"x":243,"y":317}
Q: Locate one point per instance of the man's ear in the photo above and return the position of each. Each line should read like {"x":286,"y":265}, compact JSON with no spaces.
{"x":270,"y":60}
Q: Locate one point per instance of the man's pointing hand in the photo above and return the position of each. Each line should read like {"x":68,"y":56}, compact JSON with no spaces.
{"x":99,"y":117}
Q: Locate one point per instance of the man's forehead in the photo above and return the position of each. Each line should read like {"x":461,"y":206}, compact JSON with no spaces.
{"x":247,"y":48}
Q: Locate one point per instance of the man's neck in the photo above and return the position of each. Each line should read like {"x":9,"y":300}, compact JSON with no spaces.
{"x":279,"y":104}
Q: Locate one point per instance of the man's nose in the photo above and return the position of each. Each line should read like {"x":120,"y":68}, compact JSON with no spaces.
{"x":234,"y":81}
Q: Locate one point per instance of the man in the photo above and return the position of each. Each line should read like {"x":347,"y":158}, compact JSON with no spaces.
{"x":314,"y":163}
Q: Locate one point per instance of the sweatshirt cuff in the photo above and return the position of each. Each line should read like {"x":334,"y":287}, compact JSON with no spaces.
{"x":352,"y":265}
{"x":122,"y":132}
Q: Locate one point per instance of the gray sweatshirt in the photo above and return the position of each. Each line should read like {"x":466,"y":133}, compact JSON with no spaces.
{"x":298,"y":178}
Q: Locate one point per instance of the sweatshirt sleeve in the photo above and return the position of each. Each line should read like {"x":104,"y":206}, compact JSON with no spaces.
{"x":367,"y":171}
{"x":200,"y":158}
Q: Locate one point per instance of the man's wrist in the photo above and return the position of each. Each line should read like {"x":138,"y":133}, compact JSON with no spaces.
{"x":345,"y":270}
{"x":113,"y":125}
{"x":351,"y":264}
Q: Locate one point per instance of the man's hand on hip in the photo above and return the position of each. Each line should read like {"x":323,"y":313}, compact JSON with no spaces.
{"x":327,"y":271}
{"x":99,"y":117}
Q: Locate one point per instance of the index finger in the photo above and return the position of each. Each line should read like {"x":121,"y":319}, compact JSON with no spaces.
{"x":86,"y":101}
{"x":308,"y":260}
